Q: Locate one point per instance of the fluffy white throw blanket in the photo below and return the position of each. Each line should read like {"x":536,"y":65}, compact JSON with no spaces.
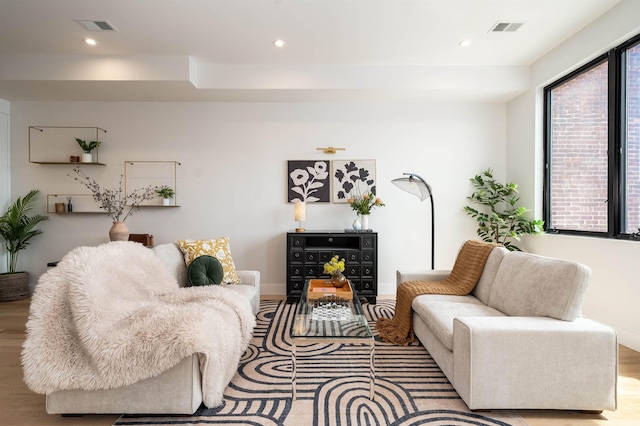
{"x":111,"y":315}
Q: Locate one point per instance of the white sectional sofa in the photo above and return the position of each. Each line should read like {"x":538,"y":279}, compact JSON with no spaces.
{"x":518,"y":341}
{"x":175,"y":391}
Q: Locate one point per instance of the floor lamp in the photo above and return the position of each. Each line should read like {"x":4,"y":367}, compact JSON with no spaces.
{"x":417,"y":186}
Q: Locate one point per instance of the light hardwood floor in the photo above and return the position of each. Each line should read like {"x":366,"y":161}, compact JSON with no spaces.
{"x":21,"y":407}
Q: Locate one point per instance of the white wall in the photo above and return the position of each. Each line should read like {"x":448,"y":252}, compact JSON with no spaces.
{"x":614,"y":291}
{"x":5,"y":171}
{"x":233,"y":175}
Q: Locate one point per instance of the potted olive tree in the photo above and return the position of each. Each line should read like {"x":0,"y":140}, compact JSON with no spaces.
{"x":500,"y":219}
{"x":17,"y":229}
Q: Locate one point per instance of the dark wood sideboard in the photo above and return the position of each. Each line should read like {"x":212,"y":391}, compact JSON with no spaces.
{"x":308,"y":251}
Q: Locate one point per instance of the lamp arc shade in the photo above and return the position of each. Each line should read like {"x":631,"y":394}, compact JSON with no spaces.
{"x":414,"y":184}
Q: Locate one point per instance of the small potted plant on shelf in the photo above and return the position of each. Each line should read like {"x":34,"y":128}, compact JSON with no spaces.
{"x":87,"y":157}
{"x":166,"y":193}
{"x":17,"y":229}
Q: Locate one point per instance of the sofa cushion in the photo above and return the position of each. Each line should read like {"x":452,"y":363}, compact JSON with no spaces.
{"x":534,"y":286}
{"x":173,"y":260}
{"x":445,"y":298}
{"x":439,"y":315}
{"x":205,"y":270}
{"x":482,"y":290}
{"x":218,"y":248}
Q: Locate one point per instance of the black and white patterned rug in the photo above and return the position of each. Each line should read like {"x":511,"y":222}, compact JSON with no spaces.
{"x":333,"y":384}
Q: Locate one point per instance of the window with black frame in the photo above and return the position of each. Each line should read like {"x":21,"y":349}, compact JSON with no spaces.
{"x":592,"y":147}
{"x":631,"y":139}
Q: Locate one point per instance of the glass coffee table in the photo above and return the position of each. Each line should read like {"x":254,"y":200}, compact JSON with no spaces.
{"x":323,"y":316}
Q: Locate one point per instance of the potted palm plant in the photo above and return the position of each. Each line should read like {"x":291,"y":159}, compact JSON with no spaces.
{"x":17,"y":229}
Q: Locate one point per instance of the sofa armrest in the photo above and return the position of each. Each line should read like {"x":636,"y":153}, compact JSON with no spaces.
{"x":424,"y":275}
{"x":249,"y":277}
{"x":535,"y":363}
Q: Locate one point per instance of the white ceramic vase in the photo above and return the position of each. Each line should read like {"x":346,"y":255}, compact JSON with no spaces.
{"x":87,"y":158}
{"x":364,"y":221}
{"x":356,"y":225}
{"x":166,"y":201}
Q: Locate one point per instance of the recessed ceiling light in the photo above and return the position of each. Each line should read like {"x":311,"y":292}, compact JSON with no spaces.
{"x":278,"y":43}
{"x":90,"y":41}
{"x":465,"y":43}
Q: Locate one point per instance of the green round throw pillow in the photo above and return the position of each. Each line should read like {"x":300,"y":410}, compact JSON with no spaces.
{"x":205,"y":270}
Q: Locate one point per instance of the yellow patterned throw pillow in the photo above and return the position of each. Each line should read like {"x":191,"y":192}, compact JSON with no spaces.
{"x":218,"y":248}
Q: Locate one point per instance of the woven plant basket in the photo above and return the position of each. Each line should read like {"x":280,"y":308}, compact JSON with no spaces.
{"x":14,"y":286}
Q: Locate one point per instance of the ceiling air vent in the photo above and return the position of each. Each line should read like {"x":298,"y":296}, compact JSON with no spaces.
{"x":96,"y":25}
{"x":506,"y":27}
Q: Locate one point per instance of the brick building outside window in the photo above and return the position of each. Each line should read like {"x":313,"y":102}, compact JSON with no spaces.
{"x":590,"y":114}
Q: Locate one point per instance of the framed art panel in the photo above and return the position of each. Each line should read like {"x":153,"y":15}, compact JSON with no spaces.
{"x":352,"y":178}
{"x":308,"y":181}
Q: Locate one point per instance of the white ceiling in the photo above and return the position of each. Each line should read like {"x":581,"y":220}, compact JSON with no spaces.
{"x":335,"y":49}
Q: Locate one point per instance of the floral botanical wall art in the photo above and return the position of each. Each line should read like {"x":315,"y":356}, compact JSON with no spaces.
{"x":352,"y":179}
{"x":308,"y":181}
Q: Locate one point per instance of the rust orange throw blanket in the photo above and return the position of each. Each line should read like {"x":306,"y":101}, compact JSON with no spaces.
{"x":464,"y":276}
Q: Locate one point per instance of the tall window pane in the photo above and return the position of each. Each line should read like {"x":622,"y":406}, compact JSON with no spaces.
{"x":578,"y":163}
{"x":632,"y":139}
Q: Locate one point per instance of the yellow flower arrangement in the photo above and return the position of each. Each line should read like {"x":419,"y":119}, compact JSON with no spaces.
{"x":334,"y":265}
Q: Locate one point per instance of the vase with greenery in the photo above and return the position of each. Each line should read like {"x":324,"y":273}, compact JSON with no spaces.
{"x":500,"y":219}
{"x":87,"y":157}
{"x":17,"y":229}
{"x":115,"y":203}
{"x":166,"y":193}
{"x":362,"y":205}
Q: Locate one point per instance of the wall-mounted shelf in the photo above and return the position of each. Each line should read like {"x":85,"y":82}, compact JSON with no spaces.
{"x":141,"y":174}
{"x":75,"y":163}
{"x":56,"y":144}
{"x":81,"y":204}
